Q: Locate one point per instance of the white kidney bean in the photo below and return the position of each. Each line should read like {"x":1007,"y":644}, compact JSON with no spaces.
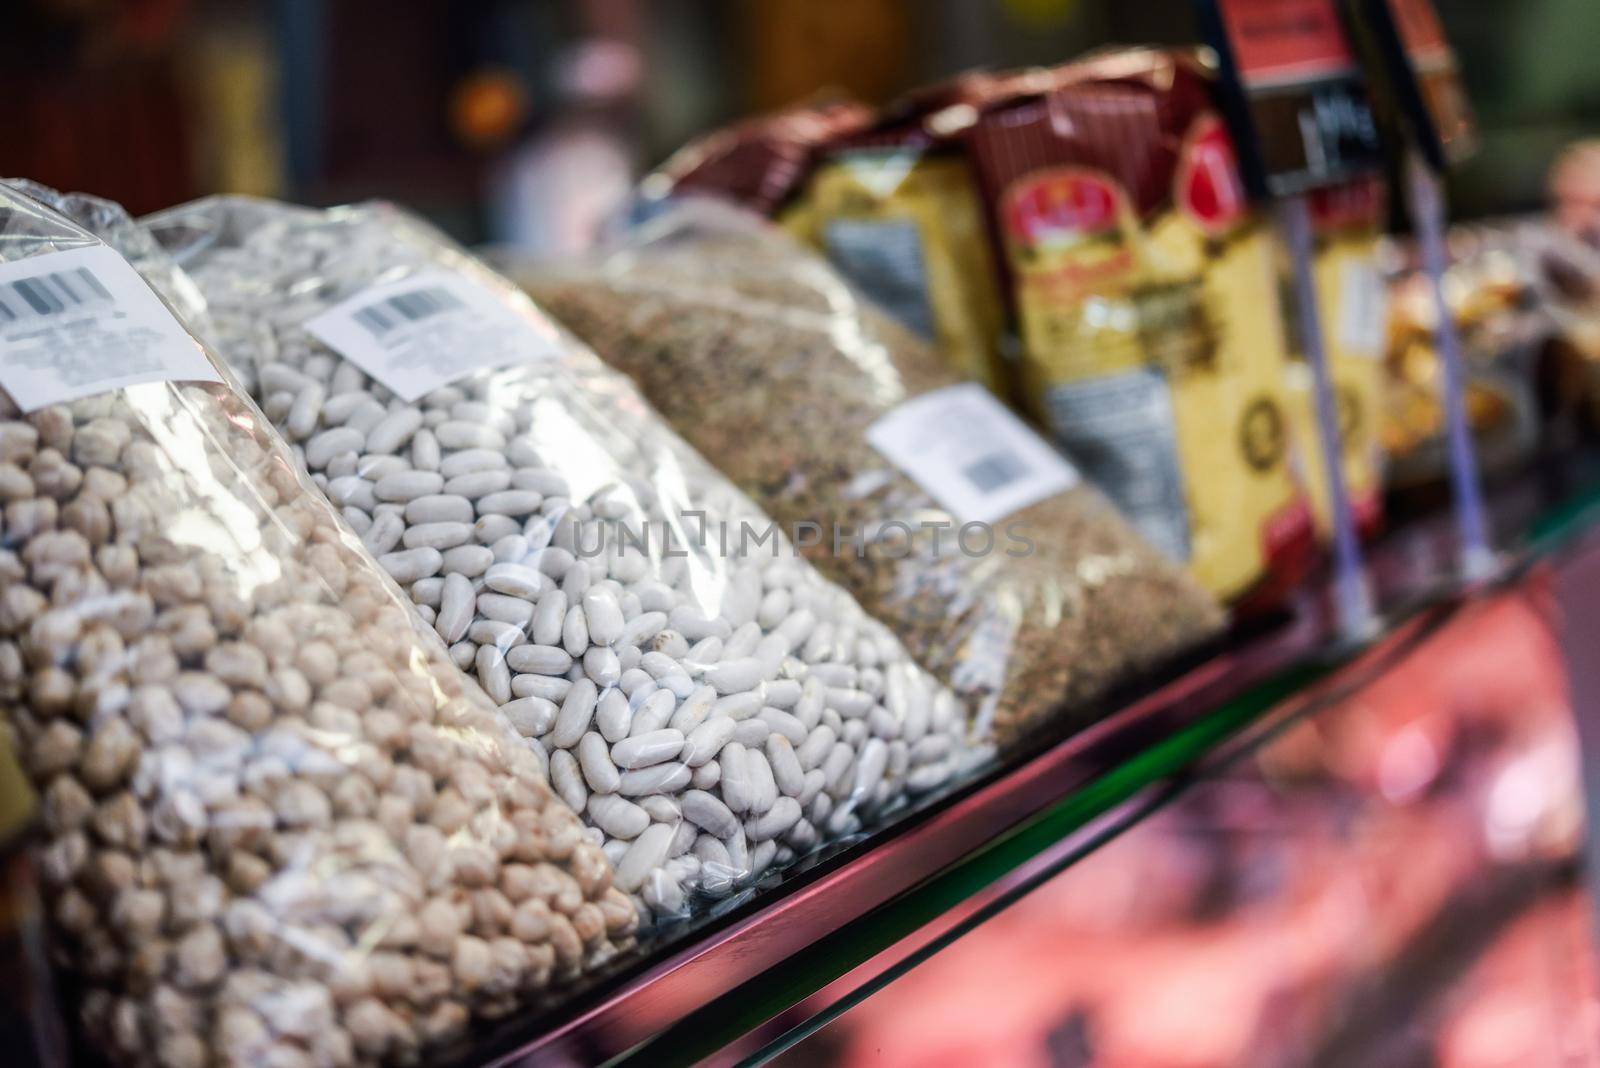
{"x":737,"y":791}
{"x":739,"y":705}
{"x":568,"y":780}
{"x":785,"y":765}
{"x":706,"y":776}
{"x":439,"y":536}
{"x":577,"y":711}
{"x":693,"y":710}
{"x":409,"y":565}
{"x":657,"y":779}
{"x":836,"y":768}
{"x":653,"y":712}
{"x":739,"y":676}
{"x":551,"y":689}
{"x":493,"y":675}
{"x":532,"y":716}
{"x":709,"y":812}
{"x":664,"y":809}
{"x":504,"y":609}
{"x":599,"y":771}
{"x":515,"y":580}
{"x":539,"y":659}
{"x":575,"y":631}
{"x":601,"y":664}
{"x":815,"y":749}
{"x":763,"y":788}
{"x":784,"y":814}
{"x":603,"y":615}
{"x":617,"y":816}
{"x":613,"y":716}
{"x":707,"y":740}
{"x":642,"y":750}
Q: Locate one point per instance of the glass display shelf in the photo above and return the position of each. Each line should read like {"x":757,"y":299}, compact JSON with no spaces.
{"x":768,"y":967}
{"x":1394,"y":880}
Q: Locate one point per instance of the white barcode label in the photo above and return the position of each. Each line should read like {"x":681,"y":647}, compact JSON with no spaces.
{"x":1363,"y":308}
{"x":970,"y":452}
{"x":430,"y":329}
{"x":412,"y":306}
{"x":82,"y":321}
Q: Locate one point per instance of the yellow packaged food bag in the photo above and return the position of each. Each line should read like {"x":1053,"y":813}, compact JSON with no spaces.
{"x":895,"y":208}
{"x":1144,"y":299}
{"x":903,"y":224}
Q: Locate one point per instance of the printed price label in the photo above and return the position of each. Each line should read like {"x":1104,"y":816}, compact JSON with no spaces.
{"x":976,"y":458}
{"x":1276,"y":42}
{"x":429,"y":330}
{"x":81,"y":322}
{"x":1294,"y":91}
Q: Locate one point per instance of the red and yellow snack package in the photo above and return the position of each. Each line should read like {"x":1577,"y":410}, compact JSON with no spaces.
{"x":1143,"y":298}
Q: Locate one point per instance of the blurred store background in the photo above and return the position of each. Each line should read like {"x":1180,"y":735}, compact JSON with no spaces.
{"x":1394,"y":883}
{"x":523,"y":121}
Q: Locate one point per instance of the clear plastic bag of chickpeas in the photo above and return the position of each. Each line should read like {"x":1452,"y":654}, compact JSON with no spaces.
{"x":276,"y":825}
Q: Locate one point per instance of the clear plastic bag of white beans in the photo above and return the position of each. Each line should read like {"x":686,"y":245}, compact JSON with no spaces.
{"x":277,"y":826}
{"x":712,"y":706}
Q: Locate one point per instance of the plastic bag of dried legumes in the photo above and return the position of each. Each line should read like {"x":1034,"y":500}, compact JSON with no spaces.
{"x":277,"y":825}
{"x":712,"y":706}
{"x":1000,"y":569}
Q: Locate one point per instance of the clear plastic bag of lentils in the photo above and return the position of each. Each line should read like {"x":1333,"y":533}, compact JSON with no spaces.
{"x":276,"y":826}
{"x":997,"y":566}
{"x":712,"y":706}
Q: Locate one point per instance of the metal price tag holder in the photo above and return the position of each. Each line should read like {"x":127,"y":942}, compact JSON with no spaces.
{"x":1296,"y":100}
{"x":1411,"y":59}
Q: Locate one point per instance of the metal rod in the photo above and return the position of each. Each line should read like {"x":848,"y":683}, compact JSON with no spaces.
{"x":1427,"y":219}
{"x":1353,"y":594}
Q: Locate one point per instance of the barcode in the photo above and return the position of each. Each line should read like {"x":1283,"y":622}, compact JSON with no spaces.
{"x":995,"y":471}
{"x":50,"y":294}
{"x":418,"y":304}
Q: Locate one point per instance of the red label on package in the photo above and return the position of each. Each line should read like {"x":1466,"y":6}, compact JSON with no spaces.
{"x":1293,"y":93}
{"x":1069,"y":202}
{"x":1207,"y":186}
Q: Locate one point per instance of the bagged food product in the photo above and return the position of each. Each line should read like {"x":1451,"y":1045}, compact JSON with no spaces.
{"x":277,"y":826}
{"x":1347,"y":226}
{"x":944,"y":514}
{"x":710,"y":704}
{"x":895,"y":209}
{"x":1144,"y":298}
